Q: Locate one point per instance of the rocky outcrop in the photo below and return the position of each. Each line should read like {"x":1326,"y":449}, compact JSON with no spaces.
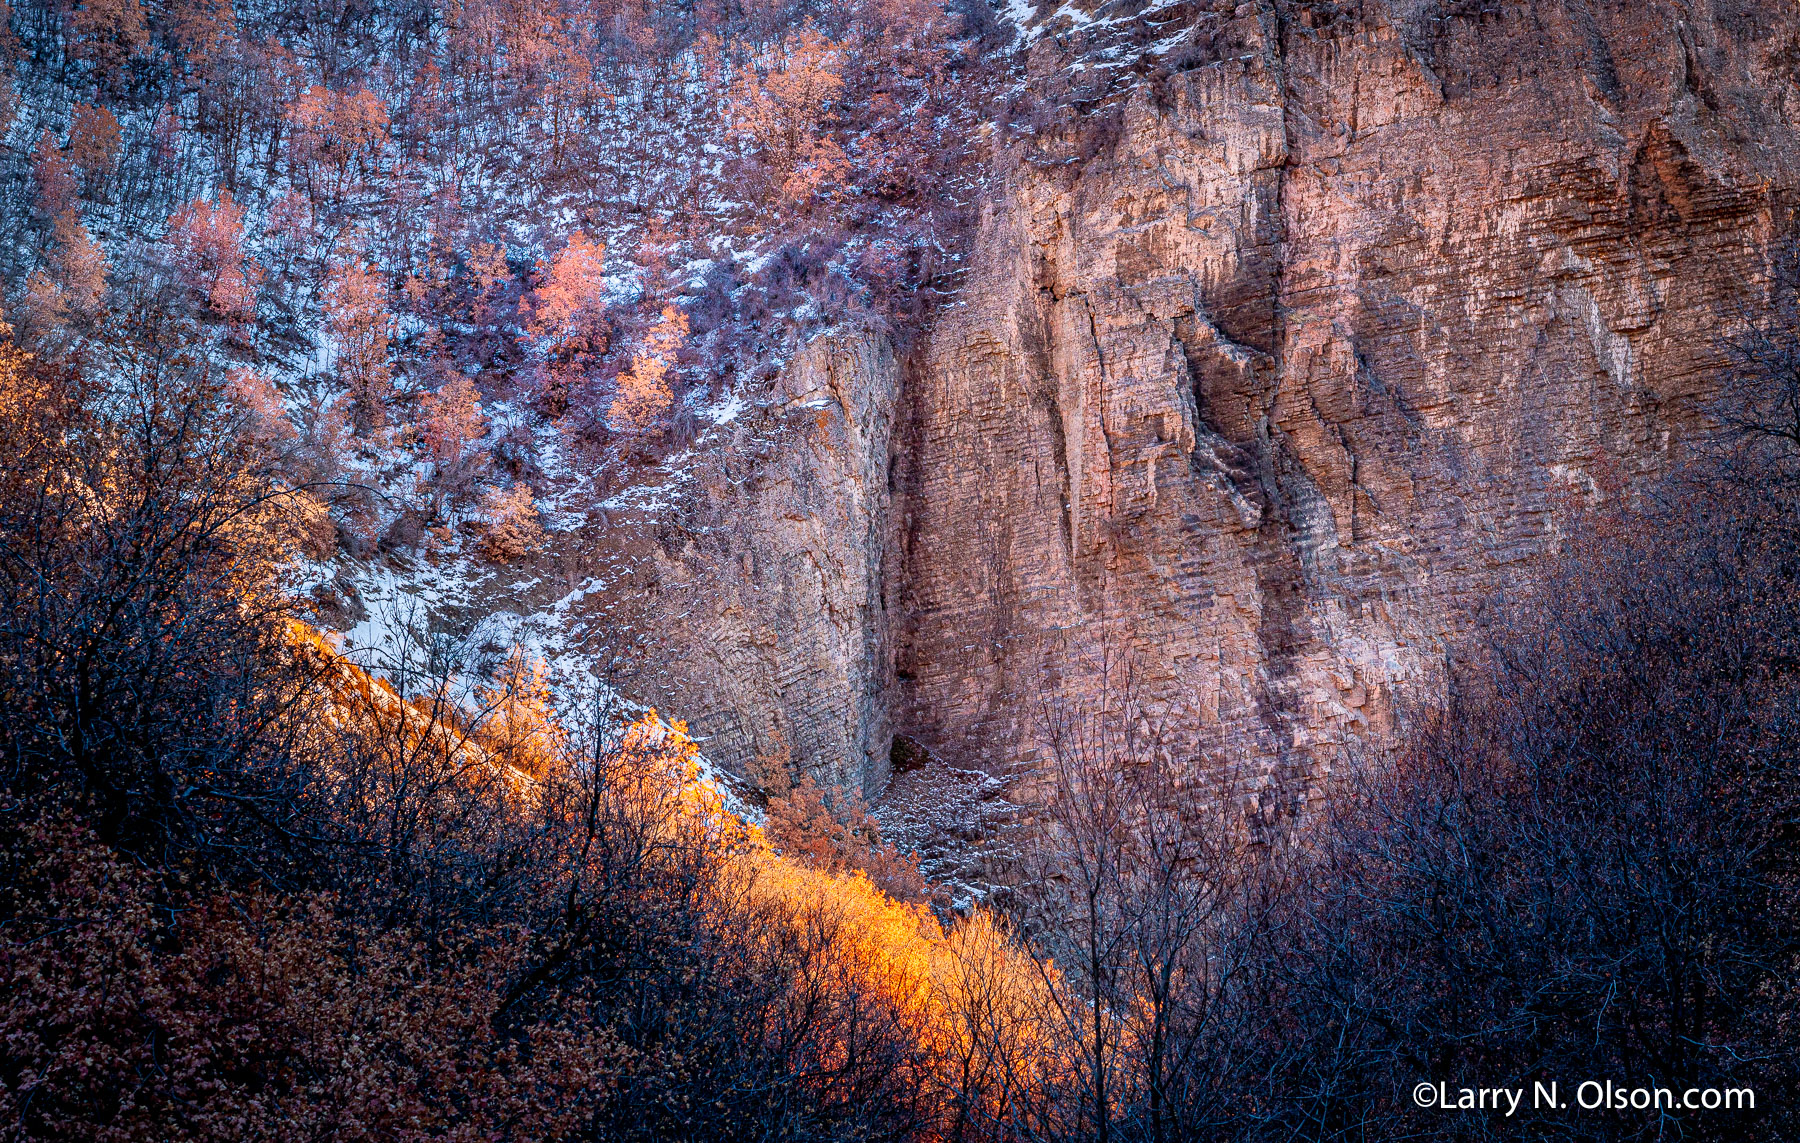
{"x":767,"y":613}
{"x":1247,"y":413}
{"x":1287,"y":343}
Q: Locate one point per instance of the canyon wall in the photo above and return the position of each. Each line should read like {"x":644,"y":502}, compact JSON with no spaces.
{"x":1282,"y":349}
{"x":764,"y":615}
{"x":1248,"y":412}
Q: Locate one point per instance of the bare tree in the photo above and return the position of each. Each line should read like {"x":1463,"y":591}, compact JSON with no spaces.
{"x":1583,"y":867}
{"x":1760,"y":402}
{"x":1139,"y":883}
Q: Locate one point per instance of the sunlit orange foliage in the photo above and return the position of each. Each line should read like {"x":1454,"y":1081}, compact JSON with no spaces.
{"x":959,"y":1015}
{"x":93,"y":142}
{"x":783,"y":117}
{"x":964,"y":1010}
{"x":52,"y":176}
{"x":513,"y":529}
{"x":970,"y":1005}
{"x":107,"y":33}
{"x":569,"y":301}
{"x":518,"y":721}
{"x":26,"y":416}
{"x":644,"y":396}
{"x":79,"y":265}
{"x":206,"y":243}
{"x":453,"y":419}
{"x":338,"y":129}
{"x":356,"y":310}
{"x":257,"y":397}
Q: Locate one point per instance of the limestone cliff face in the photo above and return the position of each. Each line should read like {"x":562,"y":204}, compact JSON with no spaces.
{"x":1281,"y":356}
{"x":1247,"y":412}
{"x":769,"y":617}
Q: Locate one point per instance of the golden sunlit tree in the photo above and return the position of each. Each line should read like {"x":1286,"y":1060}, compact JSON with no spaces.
{"x":206,"y":243}
{"x":783,"y":117}
{"x":644,"y":398}
{"x":519,"y":722}
{"x":513,"y":528}
{"x":79,"y":266}
{"x":336,"y":130}
{"x":94,"y":144}
{"x":453,"y":423}
{"x":570,"y":297}
{"x":357,"y":316}
{"x":108,"y":33}
{"x":568,"y":315}
{"x":52,"y":178}
{"x":23,"y":393}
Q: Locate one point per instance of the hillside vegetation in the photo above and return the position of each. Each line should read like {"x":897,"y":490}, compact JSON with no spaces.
{"x":464,"y":253}
{"x":252,"y":891}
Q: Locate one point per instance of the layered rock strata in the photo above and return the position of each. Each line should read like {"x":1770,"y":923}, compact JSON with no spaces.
{"x":1287,"y":351}
{"x":766,"y":616}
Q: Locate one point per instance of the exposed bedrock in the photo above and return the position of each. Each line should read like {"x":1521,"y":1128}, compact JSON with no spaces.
{"x":1267,"y":393}
{"x":765,"y":614}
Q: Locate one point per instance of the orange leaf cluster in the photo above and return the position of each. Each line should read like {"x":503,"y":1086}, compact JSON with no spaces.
{"x":781,"y":115}
{"x":206,"y":243}
{"x":356,"y":311}
{"x":336,"y":130}
{"x":644,"y":398}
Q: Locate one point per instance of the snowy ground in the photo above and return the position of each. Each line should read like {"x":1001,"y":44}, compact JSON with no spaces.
{"x":959,"y":823}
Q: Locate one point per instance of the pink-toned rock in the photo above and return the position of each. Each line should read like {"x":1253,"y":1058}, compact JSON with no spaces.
{"x":1271,"y":366}
{"x":1270,"y":393}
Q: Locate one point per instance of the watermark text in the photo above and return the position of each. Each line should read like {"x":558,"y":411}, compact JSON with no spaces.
{"x":1584,"y":1095}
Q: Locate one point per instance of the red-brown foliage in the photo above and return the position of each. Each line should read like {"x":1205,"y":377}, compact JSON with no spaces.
{"x":53,"y":178}
{"x":206,"y":242}
{"x":130,"y":1011}
{"x":356,"y":307}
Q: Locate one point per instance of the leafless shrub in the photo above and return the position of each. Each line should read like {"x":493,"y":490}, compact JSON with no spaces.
{"x":1584,"y":868}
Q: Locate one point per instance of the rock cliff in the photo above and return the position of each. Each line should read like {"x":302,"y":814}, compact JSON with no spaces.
{"x":1292,"y":331}
{"x":765,"y":616}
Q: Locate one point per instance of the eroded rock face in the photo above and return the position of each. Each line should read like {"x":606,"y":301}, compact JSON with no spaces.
{"x":1265,"y":378}
{"x":1243,"y":416}
{"x":766,"y":613}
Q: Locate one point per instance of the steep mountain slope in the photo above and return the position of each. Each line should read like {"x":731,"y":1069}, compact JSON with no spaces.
{"x":1294,"y":329}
